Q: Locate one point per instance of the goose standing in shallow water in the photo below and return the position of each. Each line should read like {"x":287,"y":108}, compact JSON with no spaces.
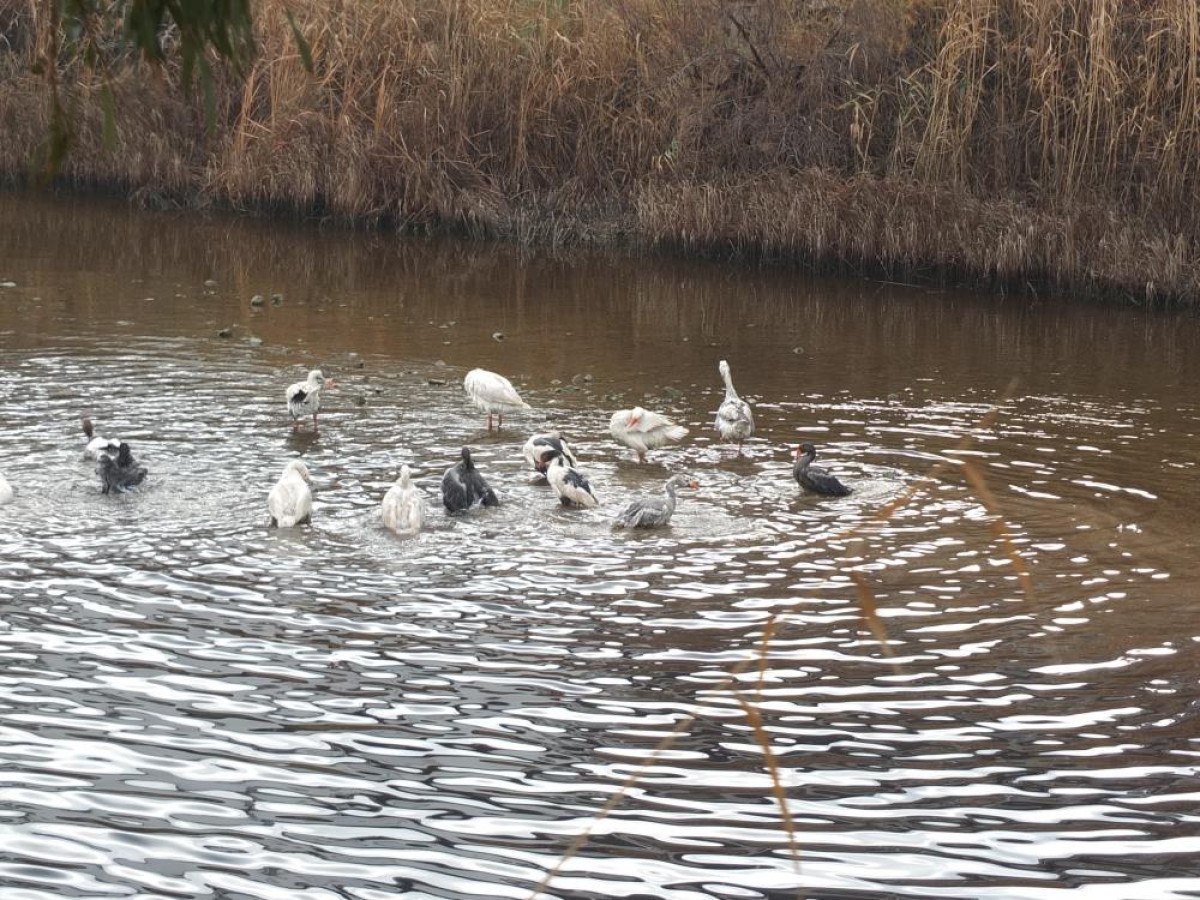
{"x":97,"y":445}
{"x":814,"y":478}
{"x":735,"y":421}
{"x":492,"y":393}
{"x":654,"y":512}
{"x":290,"y":500}
{"x":642,"y":430}
{"x":568,"y":482}
{"x":304,"y":398}
{"x":464,"y":488}
{"x":404,"y":505}
{"x":540,"y":449}
{"x":6,"y":491}
{"x":120,"y":472}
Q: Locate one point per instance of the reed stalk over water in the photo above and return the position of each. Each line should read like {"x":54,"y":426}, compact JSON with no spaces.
{"x":1043,"y":142}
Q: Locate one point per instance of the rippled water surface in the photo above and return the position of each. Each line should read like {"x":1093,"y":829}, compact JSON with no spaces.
{"x":193,"y":704}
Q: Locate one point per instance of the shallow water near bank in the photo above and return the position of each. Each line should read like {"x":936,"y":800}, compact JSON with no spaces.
{"x":193,"y":704}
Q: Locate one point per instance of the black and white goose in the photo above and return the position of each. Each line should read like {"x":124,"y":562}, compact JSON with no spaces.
{"x":814,"y":478}
{"x":735,"y":421}
{"x":568,"y":482}
{"x":463,"y":488}
{"x":654,"y":512}
{"x":120,"y":472}
{"x":304,"y":398}
{"x":540,"y":449}
{"x":97,"y":445}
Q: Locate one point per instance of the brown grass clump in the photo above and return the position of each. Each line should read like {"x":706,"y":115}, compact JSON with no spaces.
{"x":1054,"y":142}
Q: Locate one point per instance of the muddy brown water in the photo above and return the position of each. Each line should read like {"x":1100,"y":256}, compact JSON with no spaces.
{"x":195,"y":705}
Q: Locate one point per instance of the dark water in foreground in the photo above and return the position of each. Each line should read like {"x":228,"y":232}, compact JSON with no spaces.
{"x":194,"y":705}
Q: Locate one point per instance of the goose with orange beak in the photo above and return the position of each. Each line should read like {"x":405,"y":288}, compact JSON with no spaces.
{"x":642,"y":430}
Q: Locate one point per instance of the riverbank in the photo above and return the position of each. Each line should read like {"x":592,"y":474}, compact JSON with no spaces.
{"x":1036,"y":147}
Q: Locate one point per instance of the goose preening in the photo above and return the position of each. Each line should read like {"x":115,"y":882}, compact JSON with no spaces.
{"x":735,"y":421}
{"x":814,"y":478}
{"x":304,"y":397}
{"x":120,"y":472}
{"x":463,"y":488}
{"x":404,"y":505}
{"x":654,"y":512}
{"x":97,"y":445}
{"x":290,"y":500}
{"x":6,"y":491}
{"x":540,"y":449}
{"x":492,"y":393}
{"x":642,"y":430}
{"x":568,"y":482}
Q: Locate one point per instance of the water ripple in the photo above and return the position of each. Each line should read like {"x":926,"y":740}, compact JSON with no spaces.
{"x":195,"y":705}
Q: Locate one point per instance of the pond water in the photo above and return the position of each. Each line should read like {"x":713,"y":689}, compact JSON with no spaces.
{"x":193,"y":704}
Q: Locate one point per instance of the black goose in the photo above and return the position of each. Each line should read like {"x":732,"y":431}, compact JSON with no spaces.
{"x":814,"y":478}
{"x":464,"y":488}
{"x":120,"y":472}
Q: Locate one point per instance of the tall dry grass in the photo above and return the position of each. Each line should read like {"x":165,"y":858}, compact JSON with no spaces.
{"x":1040,"y":142}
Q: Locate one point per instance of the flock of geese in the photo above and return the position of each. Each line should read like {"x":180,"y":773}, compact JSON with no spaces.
{"x":463,"y":487}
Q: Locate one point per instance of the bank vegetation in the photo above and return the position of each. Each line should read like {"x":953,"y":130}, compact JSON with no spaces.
{"x":1043,"y":145}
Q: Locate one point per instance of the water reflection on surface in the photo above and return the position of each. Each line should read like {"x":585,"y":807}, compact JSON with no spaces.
{"x":192,"y":704}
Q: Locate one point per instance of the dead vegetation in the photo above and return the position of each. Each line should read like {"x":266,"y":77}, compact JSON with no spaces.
{"x":1030,"y":143}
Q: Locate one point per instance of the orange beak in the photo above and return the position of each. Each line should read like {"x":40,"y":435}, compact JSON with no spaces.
{"x":694,"y":484}
{"x":633,"y":420}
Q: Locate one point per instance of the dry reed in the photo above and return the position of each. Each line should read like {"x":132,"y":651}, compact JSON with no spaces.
{"x":1039,"y":142}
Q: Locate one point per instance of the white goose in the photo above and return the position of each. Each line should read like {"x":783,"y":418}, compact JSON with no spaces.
{"x":642,"y":430}
{"x":97,"y":446}
{"x":493,"y":394}
{"x":735,"y":421}
{"x":404,"y":505}
{"x":568,"y":482}
{"x":6,"y":491}
{"x":304,"y":397}
{"x":290,"y":500}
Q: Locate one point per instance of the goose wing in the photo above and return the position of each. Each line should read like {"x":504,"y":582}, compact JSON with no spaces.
{"x":652,"y":421}
{"x":642,"y":513}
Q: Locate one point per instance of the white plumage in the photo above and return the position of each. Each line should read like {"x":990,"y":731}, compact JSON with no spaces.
{"x":642,"y":430}
{"x":493,"y":394}
{"x":404,"y":505}
{"x":735,"y":421}
{"x":570,"y":485}
{"x":96,"y":445}
{"x":304,"y":398}
{"x":290,"y":500}
{"x":6,"y":491}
